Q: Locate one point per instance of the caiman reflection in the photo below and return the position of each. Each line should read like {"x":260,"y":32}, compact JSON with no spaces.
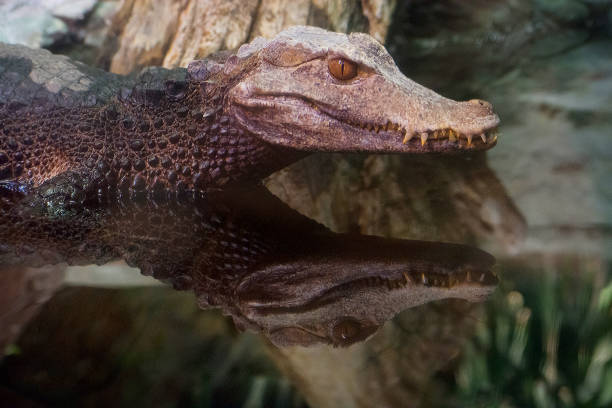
{"x":244,"y":251}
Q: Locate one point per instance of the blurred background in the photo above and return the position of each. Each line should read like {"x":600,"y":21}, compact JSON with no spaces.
{"x":540,"y":201}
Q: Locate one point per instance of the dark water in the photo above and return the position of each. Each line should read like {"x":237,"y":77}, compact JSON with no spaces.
{"x":540,"y":202}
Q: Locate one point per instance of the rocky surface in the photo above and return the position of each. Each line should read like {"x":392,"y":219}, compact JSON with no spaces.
{"x":137,"y":347}
{"x":41,"y":23}
{"x":545,"y":66}
{"x":189,"y":29}
{"x":24,"y":291}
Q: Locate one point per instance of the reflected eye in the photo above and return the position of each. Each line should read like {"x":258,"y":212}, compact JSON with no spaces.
{"x":342,"y":69}
{"x":346,"y":330}
{"x":349,"y":331}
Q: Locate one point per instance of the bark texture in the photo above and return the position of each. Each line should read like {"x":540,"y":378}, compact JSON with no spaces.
{"x":173,"y":33}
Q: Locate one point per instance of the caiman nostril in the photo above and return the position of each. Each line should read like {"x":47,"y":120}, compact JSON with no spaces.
{"x":481,"y":103}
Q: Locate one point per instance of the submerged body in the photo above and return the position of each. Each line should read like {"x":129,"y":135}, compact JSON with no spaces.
{"x":244,"y":251}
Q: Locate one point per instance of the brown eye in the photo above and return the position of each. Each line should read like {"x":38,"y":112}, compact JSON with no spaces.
{"x":342,"y":69}
{"x":346,"y":330}
{"x":349,"y":331}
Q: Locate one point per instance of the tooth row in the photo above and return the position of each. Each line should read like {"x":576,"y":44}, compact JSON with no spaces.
{"x":448,"y":281}
{"x":389,"y":126}
{"x":413,"y":278}
{"x":450,"y":134}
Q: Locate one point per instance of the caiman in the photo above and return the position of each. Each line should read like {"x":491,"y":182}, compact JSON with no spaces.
{"x":96,"y":166}
{"x":233,"y":118}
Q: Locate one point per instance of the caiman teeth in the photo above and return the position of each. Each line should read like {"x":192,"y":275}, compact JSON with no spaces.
{"x":415,"y":277}
{"x":423,"y":138}
{"x":407,"y":137}
{"x":433,"y":136}
{"x":407,"y":277}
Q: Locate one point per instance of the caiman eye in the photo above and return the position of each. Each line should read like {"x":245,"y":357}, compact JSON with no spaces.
{"x":349,"y":331}
{"x":342,"y":69}
{"x":346,"y":330}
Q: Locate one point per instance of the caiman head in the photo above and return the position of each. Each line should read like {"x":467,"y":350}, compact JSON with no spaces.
{"x":341,"y":291}
{"x":314,"y":90}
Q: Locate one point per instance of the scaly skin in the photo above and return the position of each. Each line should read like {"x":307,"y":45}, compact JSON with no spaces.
{"x":233,"y":119}
{"x":96,"y":167}
{"x":244,"y":251}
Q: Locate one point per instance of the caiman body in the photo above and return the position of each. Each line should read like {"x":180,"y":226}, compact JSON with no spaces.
{"x":96,"y":166}
{"x":231,"y":119}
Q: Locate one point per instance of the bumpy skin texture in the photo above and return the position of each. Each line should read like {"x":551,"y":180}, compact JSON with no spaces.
{"x":150,"y":134}
{"x":96,"y":167}
{"x":228,"y":120}
{"x":244,"y":251}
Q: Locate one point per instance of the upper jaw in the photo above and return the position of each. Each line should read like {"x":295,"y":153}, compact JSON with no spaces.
{"x":400,"y":135}
{"x":381,"y":111}
{"x":456,"y":128}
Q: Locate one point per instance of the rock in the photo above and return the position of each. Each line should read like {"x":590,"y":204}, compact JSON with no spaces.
{"x":136,"y":347}
{"x":455,"y":199}
{"x":24,"y":291}
{"x":208,"y":26}
{"x":138,"y":44}
{"x":556,"y":156}
{"x":40,"y":23}
{"x":567,"y":11}
{"x":29,"y":24}
{"x":191,"y":29}
{"x":551,"y":87}
{"x":379,"y":14}
{"x":392,"y":369}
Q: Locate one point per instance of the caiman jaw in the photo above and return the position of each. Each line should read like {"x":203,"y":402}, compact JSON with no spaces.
{"x":341,"y":130}
{"x":358,"y":285}
{"x":417,"y":278}
{"x":407,"y":279}
{"x":290,"y":94}
{"x":443,"y":139}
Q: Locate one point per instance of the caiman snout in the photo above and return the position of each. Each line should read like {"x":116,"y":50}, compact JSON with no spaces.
{"x":481,"y":103}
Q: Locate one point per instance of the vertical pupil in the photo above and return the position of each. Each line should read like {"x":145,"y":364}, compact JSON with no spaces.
{"x":342,"y":67}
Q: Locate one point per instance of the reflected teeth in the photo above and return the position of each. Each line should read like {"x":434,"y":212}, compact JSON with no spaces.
{"x":483,"y":137}
{"x":425,"y":279}
{"x":469,"y":140}
{"x":407,"y":277}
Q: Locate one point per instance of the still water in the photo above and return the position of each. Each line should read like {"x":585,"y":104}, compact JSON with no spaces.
{"x":444,"y":326}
